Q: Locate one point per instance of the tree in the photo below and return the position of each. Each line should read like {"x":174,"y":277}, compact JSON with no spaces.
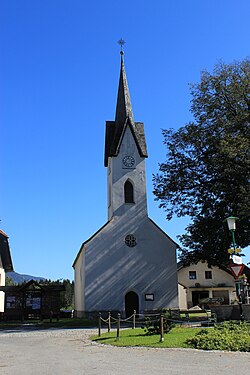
{"x":67,"y":297}
{"x":207,"y":169}
{"x":9,"y":281}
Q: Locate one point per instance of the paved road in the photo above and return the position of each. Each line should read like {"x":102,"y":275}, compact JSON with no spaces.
{"x":59,"y":352}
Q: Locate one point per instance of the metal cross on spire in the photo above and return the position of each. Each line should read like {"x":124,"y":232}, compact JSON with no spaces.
{"x":121,"y":42}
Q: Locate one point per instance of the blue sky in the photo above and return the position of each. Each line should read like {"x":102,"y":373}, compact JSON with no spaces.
{"x":59,"y":73}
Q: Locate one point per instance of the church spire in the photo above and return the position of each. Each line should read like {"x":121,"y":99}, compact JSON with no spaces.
{"x":123,"y":118}
{"x":123,"y":106}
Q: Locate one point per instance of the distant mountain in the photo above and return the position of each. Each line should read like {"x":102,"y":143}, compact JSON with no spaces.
{"x":19,"y":278}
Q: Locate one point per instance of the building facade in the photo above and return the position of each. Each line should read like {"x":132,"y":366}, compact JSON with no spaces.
{"x":130,"y":263}
{"x":198,"y":282}
{"x":5,"y":265}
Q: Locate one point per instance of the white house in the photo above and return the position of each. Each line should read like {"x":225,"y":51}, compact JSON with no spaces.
{"x":5,"y":264}
{"x":130,"y":263}
{"x":198,"y":281}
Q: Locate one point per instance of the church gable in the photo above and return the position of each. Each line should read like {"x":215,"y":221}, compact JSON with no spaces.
{"x":163,"y":233}
{"x":83,"y":247}
{"x":129,"y":253}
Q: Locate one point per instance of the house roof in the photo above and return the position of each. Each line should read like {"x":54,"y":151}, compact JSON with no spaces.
{"x":41,"y":286}
{"x":5,"y":256}
{"x":123,"y":118}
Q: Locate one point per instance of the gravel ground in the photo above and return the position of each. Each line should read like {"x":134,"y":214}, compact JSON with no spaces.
{"x":67,"y":351}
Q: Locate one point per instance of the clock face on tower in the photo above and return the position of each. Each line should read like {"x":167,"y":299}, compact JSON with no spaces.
{"x":128,"y":161}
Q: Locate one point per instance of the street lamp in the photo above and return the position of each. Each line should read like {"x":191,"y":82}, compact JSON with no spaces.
{"x":231,"y":222}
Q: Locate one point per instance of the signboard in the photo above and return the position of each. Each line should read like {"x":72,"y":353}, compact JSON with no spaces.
{"x":149,"y":297}
{"x":236,"y":269}
{"x":237,"y":259}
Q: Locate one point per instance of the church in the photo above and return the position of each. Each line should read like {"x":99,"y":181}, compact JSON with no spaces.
{"x":129,"y":263}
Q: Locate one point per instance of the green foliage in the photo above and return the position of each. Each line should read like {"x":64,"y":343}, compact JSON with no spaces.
{"x":9,"y":281}
{"x":68,"y":302}
{"x":207,"y":169}
{"x":47,"y":324}
{"x":152,"y":325}
{"x":67,"y":297}
{"x":232,"y":336}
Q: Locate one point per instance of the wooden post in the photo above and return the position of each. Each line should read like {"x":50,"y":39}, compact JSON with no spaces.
{"x":109,"y":321}
{"x":99,"y":324}
{"x":162,"y":328}
{"x":118,"y":326}
{"x":134,"y":319}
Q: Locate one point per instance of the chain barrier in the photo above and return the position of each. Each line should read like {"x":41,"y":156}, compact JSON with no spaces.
{"x":133,"y":319}
{"x":141,"y":318}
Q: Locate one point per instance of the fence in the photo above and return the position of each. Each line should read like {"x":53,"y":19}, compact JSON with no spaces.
{"x":176,"y":316}
{"x":158,"y":320}
{"x":117,"y":321}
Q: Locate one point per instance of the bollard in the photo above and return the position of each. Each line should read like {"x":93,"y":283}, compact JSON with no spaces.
{"x":134,"y":319}
{"x":109,"y":321}
{"x":99,"y":324}
{"x":118,"y":326}
{"x":162,"y":328}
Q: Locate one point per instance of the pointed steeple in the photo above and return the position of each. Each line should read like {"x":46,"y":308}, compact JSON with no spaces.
{"x":123,"y":106}
{"x":123,"y":118}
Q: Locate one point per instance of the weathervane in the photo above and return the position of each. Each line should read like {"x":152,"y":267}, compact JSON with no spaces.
{"x":121,"y":42}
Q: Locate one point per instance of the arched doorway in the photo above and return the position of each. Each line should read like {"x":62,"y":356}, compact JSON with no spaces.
{"x":131,"y":303}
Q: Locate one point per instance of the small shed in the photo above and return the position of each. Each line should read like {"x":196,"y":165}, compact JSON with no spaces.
{"x":32,"y":300}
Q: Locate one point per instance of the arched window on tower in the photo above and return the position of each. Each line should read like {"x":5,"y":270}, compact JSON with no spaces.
{"x":128,"y":192}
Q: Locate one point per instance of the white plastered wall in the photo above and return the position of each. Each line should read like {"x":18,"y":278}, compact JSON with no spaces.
{"x":182,"y":297}
{"x":79,"y":286}
{"x":221,"y":280}
{"x":2,"y":294}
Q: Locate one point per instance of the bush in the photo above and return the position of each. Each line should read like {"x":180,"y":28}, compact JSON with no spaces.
{"x":152,"y":325}
{"x":232,"y":336}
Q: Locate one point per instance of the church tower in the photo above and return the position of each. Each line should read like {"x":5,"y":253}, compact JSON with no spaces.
{"x":125,"y":153}
{"x":129,"y":263}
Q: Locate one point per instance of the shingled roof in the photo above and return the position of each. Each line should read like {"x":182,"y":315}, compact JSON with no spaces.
{"x":5,"y":256}
{"x":123,"y":118}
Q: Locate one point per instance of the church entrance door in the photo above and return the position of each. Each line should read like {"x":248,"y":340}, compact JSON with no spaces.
{"x":131,"y":303}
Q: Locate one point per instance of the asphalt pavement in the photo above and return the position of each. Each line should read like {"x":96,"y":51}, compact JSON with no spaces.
{"x":67,"y":351}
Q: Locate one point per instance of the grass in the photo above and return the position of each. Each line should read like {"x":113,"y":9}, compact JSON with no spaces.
{"x":46,"y":324}
{"x":176,"y":338}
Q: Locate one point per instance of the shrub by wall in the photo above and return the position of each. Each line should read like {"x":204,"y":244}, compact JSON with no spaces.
{"x":232,"y":336}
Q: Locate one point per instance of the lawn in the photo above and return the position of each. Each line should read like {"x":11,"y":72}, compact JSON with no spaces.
{"x":46,"y":324}
{"x":176,"y":338}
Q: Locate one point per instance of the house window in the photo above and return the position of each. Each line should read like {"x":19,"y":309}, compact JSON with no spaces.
{"x":208,"y":274}
{"x":130,"y":240}
{"x":128,"y":192}
{"x":192,"y":275}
